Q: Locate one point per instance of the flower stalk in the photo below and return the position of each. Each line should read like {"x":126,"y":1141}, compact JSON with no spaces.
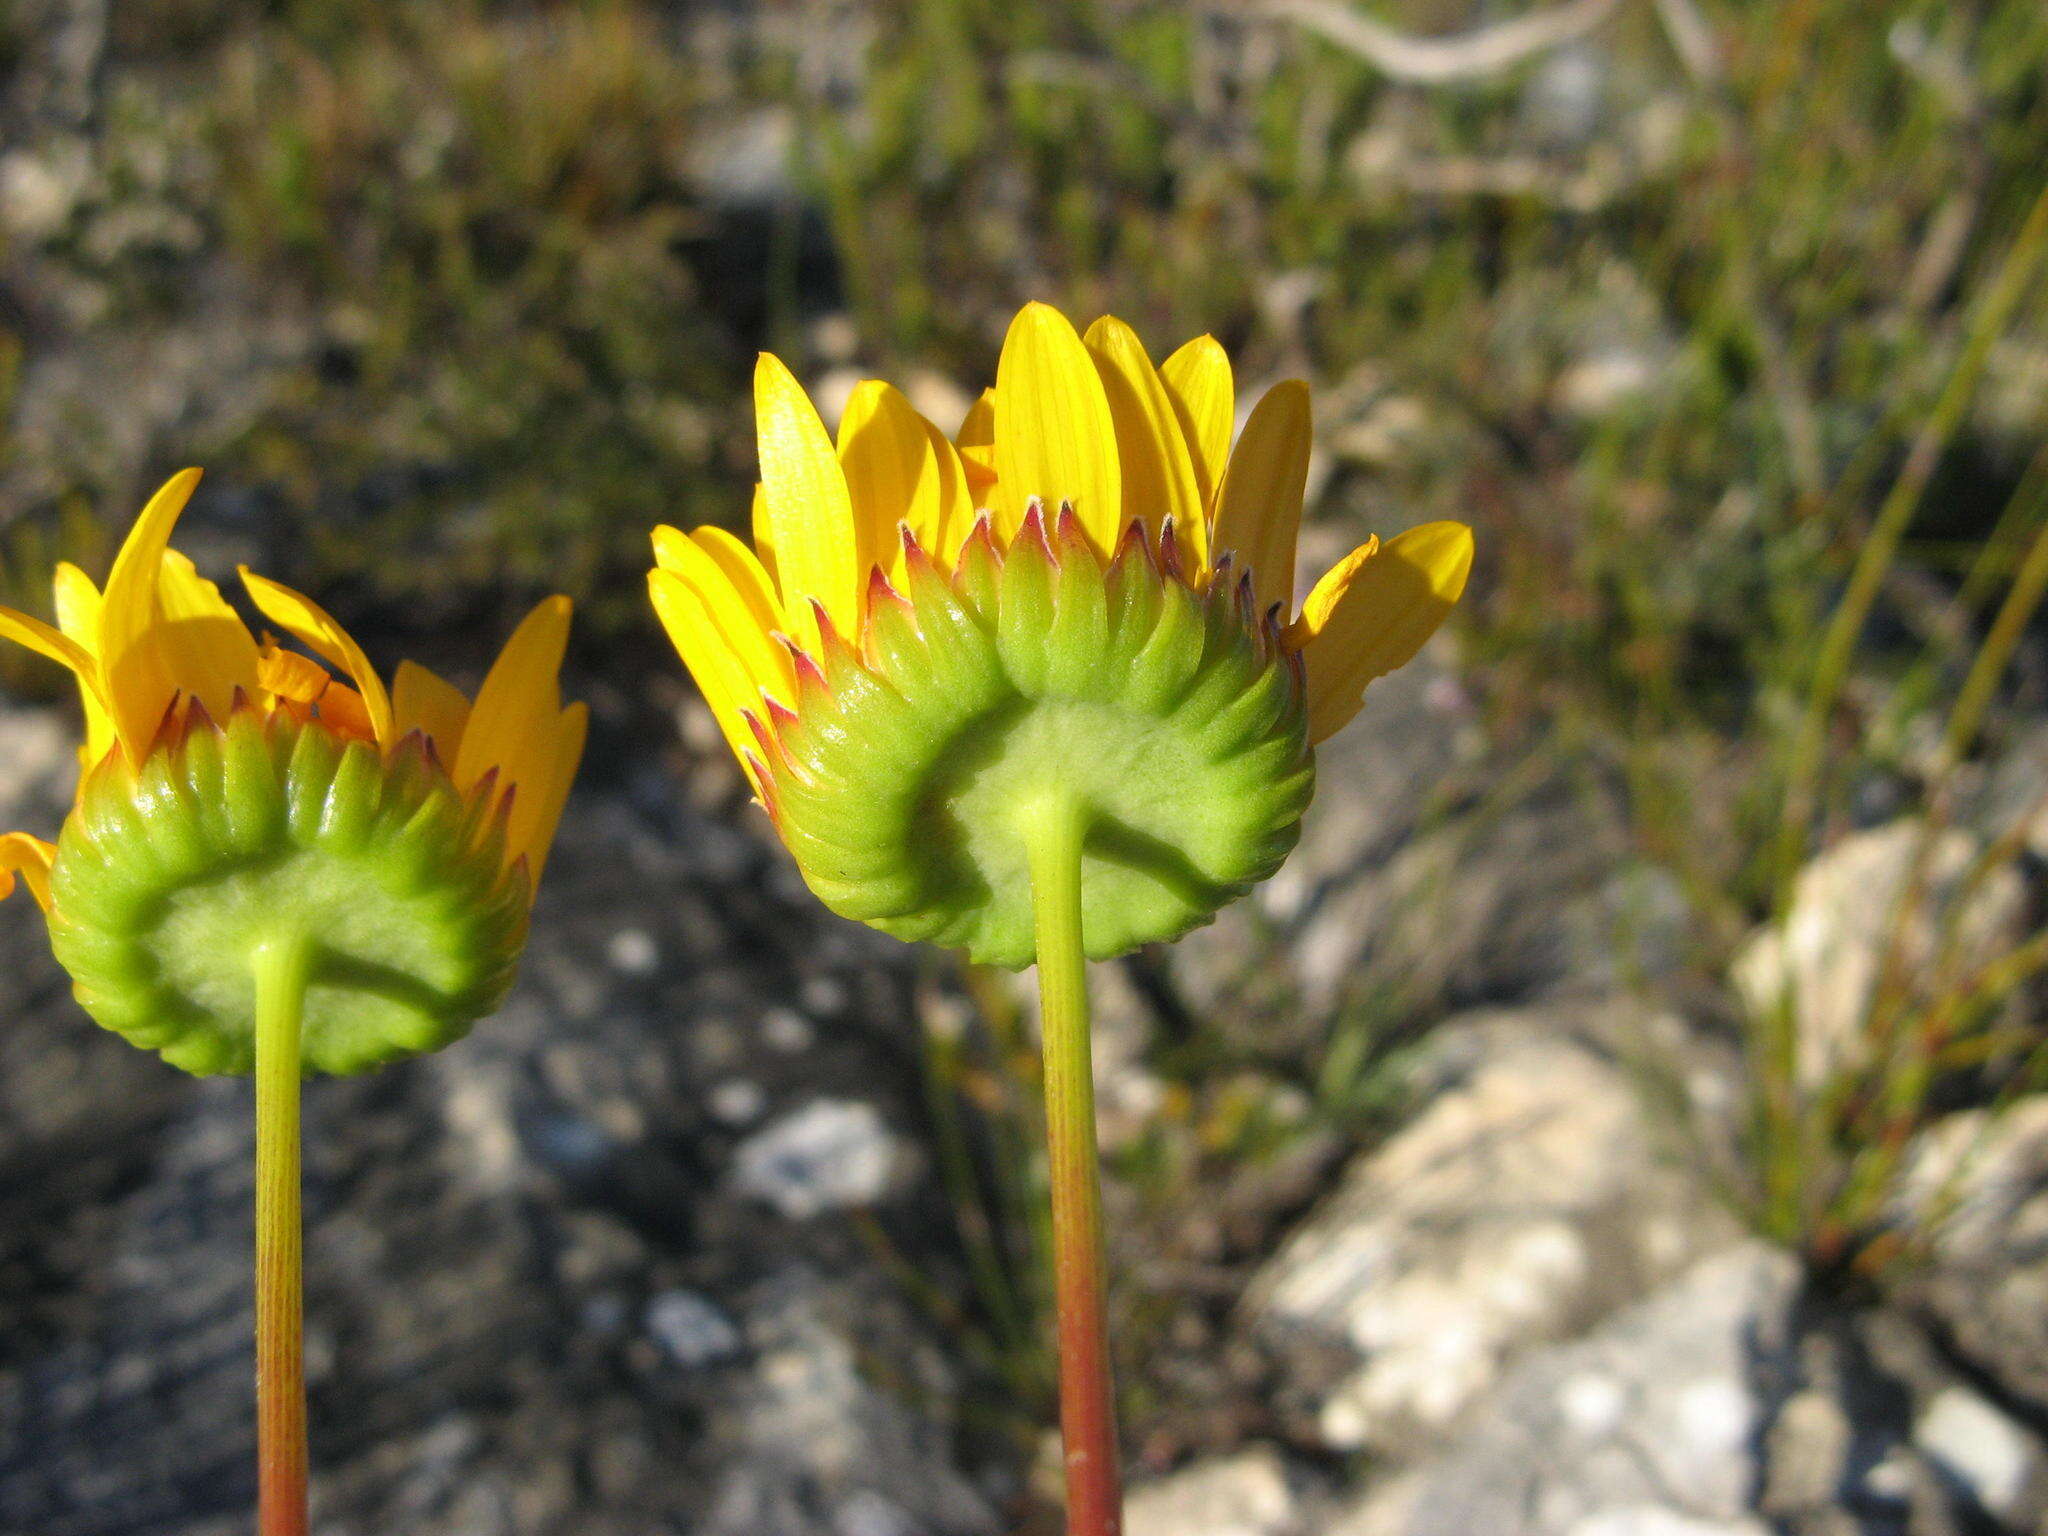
{"x":1054,"y":830}
{"x":281,"y":967}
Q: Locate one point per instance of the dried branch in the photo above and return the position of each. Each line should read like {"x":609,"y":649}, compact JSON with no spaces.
{"x":1432,"y":60}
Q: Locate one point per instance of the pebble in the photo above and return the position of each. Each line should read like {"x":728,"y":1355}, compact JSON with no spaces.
{"x":830,"y":1155}
{"x":691,"y":1328}
{"x":787,"y":1030}
{"x":738,"y":1101}
{"x":633,"y":952}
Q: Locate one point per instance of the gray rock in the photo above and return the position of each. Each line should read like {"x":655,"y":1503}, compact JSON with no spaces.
{"x":1825,"y":958}
{"x":1652,"y":1425}
{"x":1390,"y":901}
{"x":1527,"y":1198}
{"x":1979,"y":1184}
{"x":38,"y":767}
{"x":821,"y":1447}
{"x":830,"y":1155}
{"x":692,"y":1329}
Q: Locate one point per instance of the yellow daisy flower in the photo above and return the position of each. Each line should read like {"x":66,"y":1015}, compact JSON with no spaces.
{"x":1081,"y":433}
{"x":174,"y":685}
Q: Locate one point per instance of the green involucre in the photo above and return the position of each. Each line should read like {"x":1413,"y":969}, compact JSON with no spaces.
{"x":169,"y":876}
{"x":1173,"y":719}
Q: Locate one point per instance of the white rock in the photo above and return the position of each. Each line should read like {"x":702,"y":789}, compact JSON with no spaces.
{"x":830,"y":1155}
{"x":1649,"y":1426}
{"x":1825,"y":959}
{"x":1654,"y":1520}
{"x":1241,"y":1495}
{"x":1979,"y":1447}
{"x":1526,"y":1198}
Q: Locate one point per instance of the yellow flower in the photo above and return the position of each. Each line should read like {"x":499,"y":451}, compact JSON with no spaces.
{"x":239,"y":799}
{"x":161,"y":634}
{"x":1083,"y":458}
{"x":1087,"y":421}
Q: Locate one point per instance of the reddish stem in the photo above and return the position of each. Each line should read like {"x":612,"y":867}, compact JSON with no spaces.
{"x":1054,"y":831}
{"x":281,"y":972}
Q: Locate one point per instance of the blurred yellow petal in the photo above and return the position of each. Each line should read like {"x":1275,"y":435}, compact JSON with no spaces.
{"x":39,"y":637}
{"x":1055,"y":438}
{"x":1258,"y":513}
{"x":535,"y":817}
{"x":978,"y":426}
{"x":137,"y":673}
{"x":29,"y":857}
{"x":1372,"y":613}
{"x":424,"y":701}
{"x":1158,"y":472}
{"x":311,"y":625}
{"x":511,"y":723}
{"x":78,"y":616}
{"x":207,"y":647}
{"x":817,"y":544}
{"x":1197,"y":380}
{"x":891,"y":473}
{"x":956,"y":498}
{"x":976,"y":442}
{"x":736,"y":608}
{"x":721,"y":676}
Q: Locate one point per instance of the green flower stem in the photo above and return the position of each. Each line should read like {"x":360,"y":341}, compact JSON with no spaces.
{"x":281,"y":967}
{"x":1054,"y":828}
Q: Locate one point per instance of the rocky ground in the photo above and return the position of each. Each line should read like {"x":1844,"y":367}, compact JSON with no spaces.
{"x":667,"y":1245}
{"x":636,"y":1255}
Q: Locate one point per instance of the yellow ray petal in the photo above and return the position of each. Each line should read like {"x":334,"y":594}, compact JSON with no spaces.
{"x":511,"y":724}
{"x":737,"y":607}
{"x":137,"y":673}
{"x":956,"y":499}
{"x":1055,"y":438}
{"x":311,"y":625}
{"x":1258,"y":512}
{"x":24,"y":629}
{"x":204,"y":642}
{"x":287,"y":675}
{"x":78,"y":616}
{"x":424,"y":701}
{"x":749,"y":577}
{"x":535,"y":817}
{"x":764,"y":540}
{"x":1197,"y":379}
{"x":1372,"y":612}
{"x":818,"y":547}
{"x":30,"y":857}
{"x":976,"y":442}
{"x":891,"y":474}
{"x":720,"y":674}
{"x":1158,"y":471}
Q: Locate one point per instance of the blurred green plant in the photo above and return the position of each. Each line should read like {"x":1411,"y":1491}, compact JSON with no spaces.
{"x":484,"y":207}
